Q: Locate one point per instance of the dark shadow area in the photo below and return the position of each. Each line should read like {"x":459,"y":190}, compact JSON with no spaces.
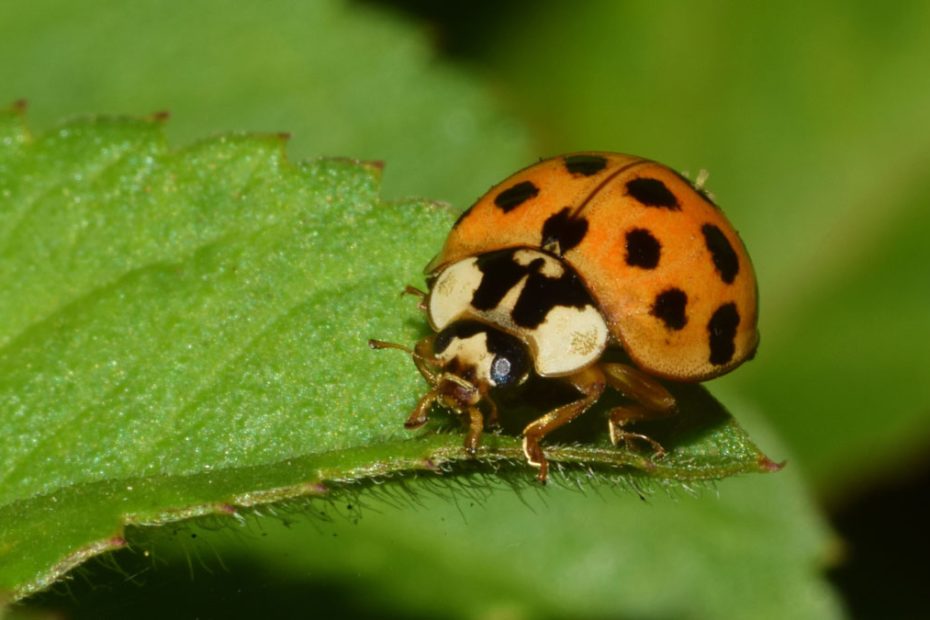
{"x":143,"y":589}
{"x":698,"y":413}
{"x":886,"y":531}
{"x":458,"y":29}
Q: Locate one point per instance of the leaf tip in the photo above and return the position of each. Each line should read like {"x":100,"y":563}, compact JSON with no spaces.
{"x":769,"y":466}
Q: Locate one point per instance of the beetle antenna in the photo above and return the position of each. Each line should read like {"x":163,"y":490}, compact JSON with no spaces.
{"x":374,"y":343}
{"x":381,"y":344}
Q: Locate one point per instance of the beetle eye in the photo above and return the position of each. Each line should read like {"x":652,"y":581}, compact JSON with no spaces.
{"x":501,"y":370}
{"x":511,"y":365}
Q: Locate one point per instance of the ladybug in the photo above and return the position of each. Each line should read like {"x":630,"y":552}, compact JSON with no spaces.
{"x":565,"y":260}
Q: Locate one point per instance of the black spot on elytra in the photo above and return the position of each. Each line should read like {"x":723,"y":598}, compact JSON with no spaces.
{"x":513,"y":197}
{"x":563,"y":231}
{"x":652,"y":193}
{"x":642,"y":249}
{"x":725,"y":259}
{"x":670,"y":306}
{"x":722,"y":330}
{"x":500,"y":273}
{"x":585,"y":165}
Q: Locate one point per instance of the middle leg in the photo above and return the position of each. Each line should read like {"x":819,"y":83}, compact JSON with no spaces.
{"x":590,"y":382}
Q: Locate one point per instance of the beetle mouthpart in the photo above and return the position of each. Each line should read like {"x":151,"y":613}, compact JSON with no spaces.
{"x":457,"y":392}
{"x":459,"y":381}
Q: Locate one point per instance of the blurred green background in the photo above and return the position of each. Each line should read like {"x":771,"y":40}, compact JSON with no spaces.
{"x":813,"y":120}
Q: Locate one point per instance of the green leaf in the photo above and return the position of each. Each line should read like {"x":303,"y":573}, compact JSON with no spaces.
{"x":343,"y":78}
{"x":184,"y":333}
{"x":746,"y":549}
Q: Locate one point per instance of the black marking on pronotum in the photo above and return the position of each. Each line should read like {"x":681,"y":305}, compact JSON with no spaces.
{"x":669,"y":306}
{"x":585,"y":165}
{"x":514,"y":196}
{"x":642,"y":249}
{"x":541,"y":294}
{"x":563,"y":231}
{"x":500,"y":273}
{"x":725,"y":259}
{"x":458,"y":329}
{"x":652,"y":193}
{"x":722,"y":330}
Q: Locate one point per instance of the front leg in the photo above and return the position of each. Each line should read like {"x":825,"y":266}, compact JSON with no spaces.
{"x":590,"y":382}
{"x":424,"y":361}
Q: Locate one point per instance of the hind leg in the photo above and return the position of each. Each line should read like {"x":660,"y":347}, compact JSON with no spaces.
{"x":652,"y":401}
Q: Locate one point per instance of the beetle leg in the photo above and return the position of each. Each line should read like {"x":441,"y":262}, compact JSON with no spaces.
{"x":475,"y":427}
{"x":420,"y":413}
{"x":590,"y":382}
{"x":652,"y":401}
{"x":639,"y":386}
{"x":412,"y":290}
{"x":619,"y":417}
{"x":424,"y":360}
{"x":492,"y":420}
{"x":422,"y":355}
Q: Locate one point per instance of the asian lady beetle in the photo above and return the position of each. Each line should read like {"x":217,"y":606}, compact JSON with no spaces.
{"x":565,"y":259}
